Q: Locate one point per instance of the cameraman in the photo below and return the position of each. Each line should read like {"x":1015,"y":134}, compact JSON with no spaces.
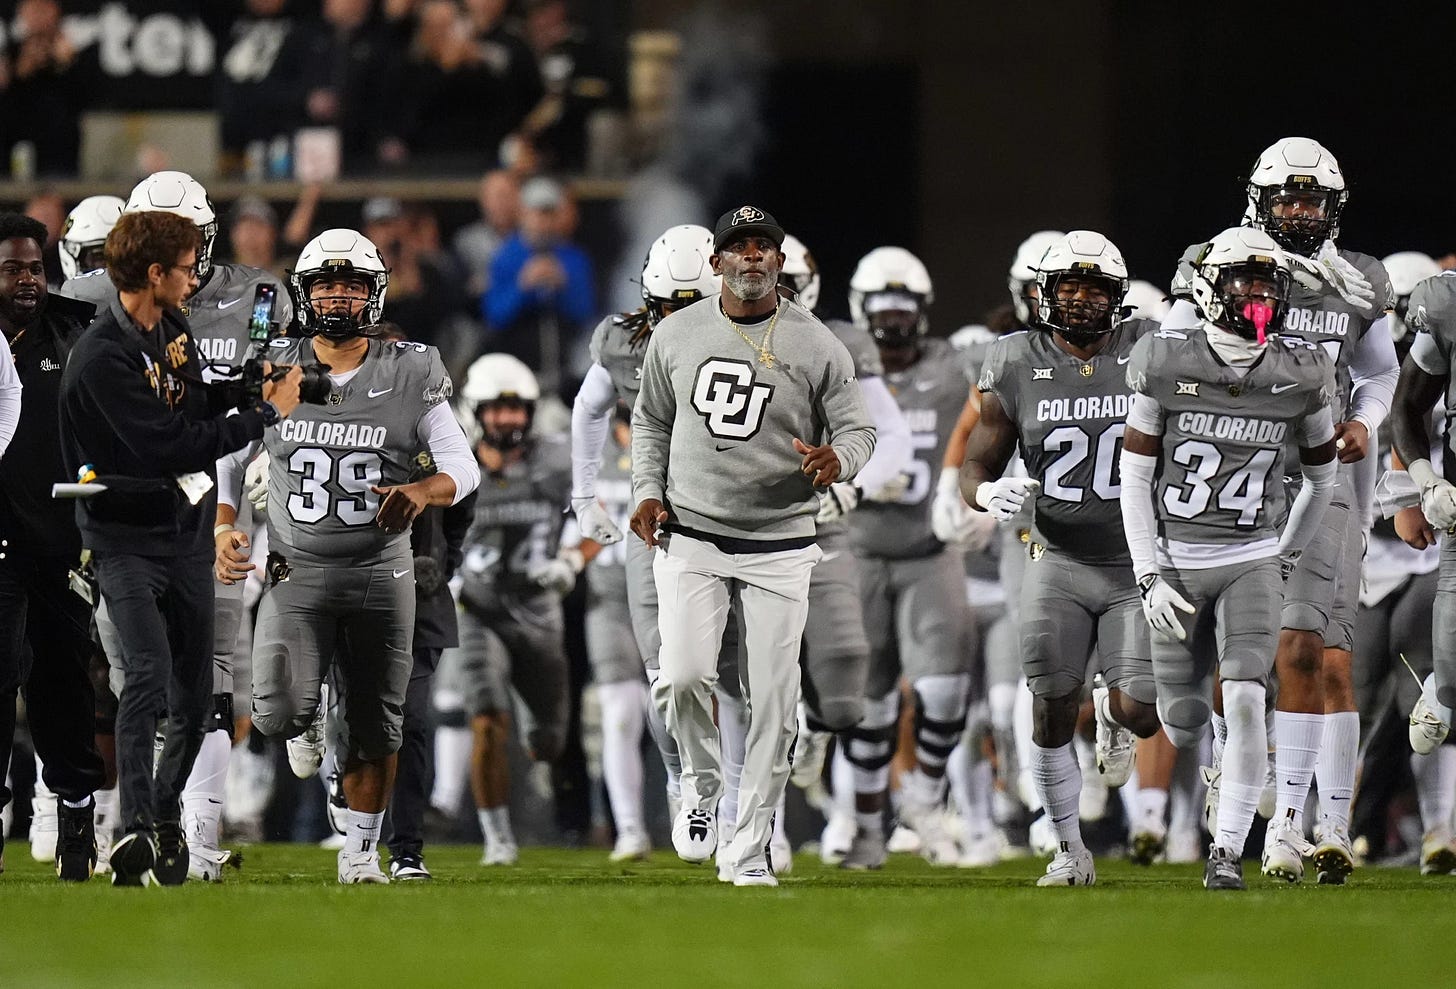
{"x":135,"y":411}
{"x":44,"y":642}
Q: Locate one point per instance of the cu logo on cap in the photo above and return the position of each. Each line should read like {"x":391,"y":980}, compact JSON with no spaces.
{"x":729,"y":399}
{"x":747,"y":214}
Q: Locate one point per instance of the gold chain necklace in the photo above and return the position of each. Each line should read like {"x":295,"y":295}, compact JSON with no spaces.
{"x":765,"y":357}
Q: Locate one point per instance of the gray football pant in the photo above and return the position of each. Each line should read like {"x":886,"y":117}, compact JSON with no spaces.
{"x":836,"y":653}
{"x":697,"y":585}
{"x":1399,"y":624}
{"x":611,"y":641}
{"x":916,"y":618}
{"x":1069,"y":607}
{"x":359,"y":620}
{"x":518,"y":644}
{"x":1323,"y":593}
{"x":1233,"y":632}
{"x":1443,"y":632}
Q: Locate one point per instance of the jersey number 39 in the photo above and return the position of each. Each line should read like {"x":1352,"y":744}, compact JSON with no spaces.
{"x":352,"y":475}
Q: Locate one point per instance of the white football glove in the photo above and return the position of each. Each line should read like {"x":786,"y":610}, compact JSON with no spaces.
{"x":1328,"y":268}
{"x":594,"y":522}
{"x":1161,"y":605}
{"x":953,"y":521}
{"x":1003,"y":498}
{"x":255,"y":483}
{"x":1438,"y":504}
{"x":890,"y":492}
{"x":557,"y":575}
{"x":837,"y":501}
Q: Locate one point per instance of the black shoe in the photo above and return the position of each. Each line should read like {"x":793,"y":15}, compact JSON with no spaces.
{"x":172,"y":859}
{"x":408,"y":868}
{"x":76,"y":842}
{"x":132,"y":859}
{"x":1223,"y":871}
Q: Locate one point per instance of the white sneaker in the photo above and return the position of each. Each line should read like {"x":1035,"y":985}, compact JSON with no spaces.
{"x":755,"y":877}
{"x":903,"y":841}
{"x":981,"y":849}
{"x":1069,"y":868}
{"x":500,"y":853}
{"x":1284,"y":852}
{"x":1269,"y":796}
{"x":836,"y":838}
{"x":360,"y":867}
{"x":781,"y":855}
{"x":45,"y":827}
{"x":1148,"y":840}
{"x":1212,"y":775}
{"x":631,"y":846}
{"x":1042,"y":837}
{"x":1438,"y":854}
{"x":695,"y":835}
{"x":206,"y":864}
{"x":1334,"y":859}
{"x":1427,"y":729}
{"x":1116,"y":749}
{"x":306,"y":752}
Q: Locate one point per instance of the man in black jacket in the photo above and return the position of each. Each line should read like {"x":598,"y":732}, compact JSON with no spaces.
{"x":136,"y":416}
{"x":45,"y":645}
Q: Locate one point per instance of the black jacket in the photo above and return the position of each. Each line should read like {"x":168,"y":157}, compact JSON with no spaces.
{"x":133,"y":407}
{"x":439,"y":535}
{"x":31,"y":521}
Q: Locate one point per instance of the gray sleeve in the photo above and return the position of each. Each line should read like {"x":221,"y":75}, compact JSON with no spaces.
{"x":652,"y":419}
{"x":851,"y":433}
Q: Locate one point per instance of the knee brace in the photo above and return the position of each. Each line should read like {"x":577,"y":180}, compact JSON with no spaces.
{"x":870,"y":745}
{"x":1185,"y":719}
{"x":836,"y":714}
{"x":222,"y":713}
{"x":940,"y":716}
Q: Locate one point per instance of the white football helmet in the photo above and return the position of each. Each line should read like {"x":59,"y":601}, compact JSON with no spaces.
{"x":1022,"y":276}
{"x":1297,"y":170}
{"x":331,"y":252}
{"x":800,"y":272}
{"x":496,"y":378}
{"x":1228,"y":273}
{"x":83,"y":238}
{"x":676,"y":272}
{"x":1406,"y":269}
{"x":902,"y":283}
{"x":1083,"y":255}
{"x":180,"y":193}
{"x":1146,"y":301}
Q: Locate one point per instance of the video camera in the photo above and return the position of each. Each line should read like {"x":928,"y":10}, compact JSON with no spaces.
{"x":243,"y":385}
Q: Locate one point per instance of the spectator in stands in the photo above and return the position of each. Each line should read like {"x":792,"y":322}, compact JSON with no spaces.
{"x":541,"y":293}
{"x":49,"y":208}
{"x":353,"y":77}
{"x":256,"y":240}
{"x":476,"y":243}
{"x":42,"y":89}
{"x":262,"y":77}
{"x":425,"y":296}
{"x":582,"y":74}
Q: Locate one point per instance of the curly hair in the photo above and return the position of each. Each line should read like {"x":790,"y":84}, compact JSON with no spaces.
{"x":140,"y":240}
{"x":19,"y":225}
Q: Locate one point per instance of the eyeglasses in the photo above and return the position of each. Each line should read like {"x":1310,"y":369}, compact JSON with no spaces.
{"x":190,"y":269}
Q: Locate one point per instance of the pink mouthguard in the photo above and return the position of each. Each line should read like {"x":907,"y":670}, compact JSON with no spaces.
{"x":1259,"y":315}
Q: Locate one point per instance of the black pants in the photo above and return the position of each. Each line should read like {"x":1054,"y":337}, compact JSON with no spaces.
{"x":45,"y":653}
{"x":412,"y":777}
{"x":162,"y":608}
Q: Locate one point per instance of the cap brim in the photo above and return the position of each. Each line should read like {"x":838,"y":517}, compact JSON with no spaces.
{"x":773,"y":233}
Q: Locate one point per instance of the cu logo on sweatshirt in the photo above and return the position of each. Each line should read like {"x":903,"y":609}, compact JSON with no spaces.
{"x":729,"y":399}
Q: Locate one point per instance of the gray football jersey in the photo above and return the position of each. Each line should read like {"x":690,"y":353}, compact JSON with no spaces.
{"x":519,"y":514}
{"x":1432,"y":314}
{"x":866,"y":358}
{"x":1069,"y":417}
{"x":612,"y":348}
{"x":1219,"y":479}
{"x":931,"y":394}
{"x":219,"y":312}
{"x":614,"y":491}
{"x":325,"y":458}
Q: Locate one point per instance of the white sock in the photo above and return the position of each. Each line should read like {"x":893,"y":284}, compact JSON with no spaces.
{"x":1058,"y":782}
{"x":249,"y":785}
{"x":452,"y":764}
{"x":958,"y":775}
{"x":1335,"y":768}
{"x":495,"y":824}
{"x":1435,"y":775}
{"x":842,"y":778}
{"x":1245,"y":755}
{"x":733,"y":739}
{"x":363,"y":832}
{"x":624,"y":715}
{"x":108,"y":808}
{"x":977,"y":811}
{"x":202,"y":797}
{"x":1220,"y":738}
{"x":1022,"y":721}
{"x":1297,"y":740}
{"x":1152,"y":805}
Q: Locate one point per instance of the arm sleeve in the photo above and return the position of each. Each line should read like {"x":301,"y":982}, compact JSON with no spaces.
{"x":446,"y":442}
{"x":1374,"y":370}
{"x":1145,"y":415}
{"x":652,"y":419}
{"x":851,"y":433}
{"x":1428,"y":357}
{"x":892,"y":437}
{"x":591,"y":418}
{"x":9,"y":396}
{"x":230,"y":472}
{"x":1139,"y":521}
{"x":1315,"y":494}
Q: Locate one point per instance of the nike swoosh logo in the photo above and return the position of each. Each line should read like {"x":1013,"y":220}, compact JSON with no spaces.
{"x":720,"y":449}
{"x":924,"y":385}
{"x":382,"y":391}
{"x":1276,"y":389}
{"x":229,"y":304}
{"x":1123,"y":360}
{"x":398,"y":573}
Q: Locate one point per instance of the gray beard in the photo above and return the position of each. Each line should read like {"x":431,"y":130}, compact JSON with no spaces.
{"x":739,"y":286}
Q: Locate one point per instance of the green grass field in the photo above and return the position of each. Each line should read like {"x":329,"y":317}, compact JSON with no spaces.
{"x":568,"y":918}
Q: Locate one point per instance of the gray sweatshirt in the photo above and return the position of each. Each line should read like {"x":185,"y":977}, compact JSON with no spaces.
{"x":713,"y":429}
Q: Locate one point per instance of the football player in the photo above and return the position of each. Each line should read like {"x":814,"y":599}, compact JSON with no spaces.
{"x":83,"y":238}
{"x":1080,"y":590}
{"x":340,"y":567}
{"x":1208,"y":424}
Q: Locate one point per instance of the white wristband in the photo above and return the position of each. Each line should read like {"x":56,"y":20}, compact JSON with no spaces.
{"x":1422,"y":473}
{"x":220,"y":529}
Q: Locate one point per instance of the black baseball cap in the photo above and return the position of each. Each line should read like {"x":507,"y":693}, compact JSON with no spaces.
{"x":743,"y":220}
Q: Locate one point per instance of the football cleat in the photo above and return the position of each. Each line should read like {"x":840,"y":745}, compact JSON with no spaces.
{"x":205,"y":863}
{"x":501,"y":853}
{"x":1284,"y":852}
{"x":1069,"y":868}
{"x":76,"y":842}
{"x":631,"y":846}
{"x":1334,"y":860}
{"x":867,"y":851}
{"x":172,"y":856}
{"x":1212,"y":775}
{"x":360,"y":867}
{"x":1438,"y":854}
{"x":1116,"y":750}
{"x":306,"y":752}
{"x":981,"y":849}
{"x":1223,"y":871}
{"x":44,"y":827}
{"x":1147,"y":844}
{"x":838,"y":836}
{"x":937,"y":842}
{"x":695,"y":835}
{"x":755,"y":877}
{"x":903,"y":840}
{"x":1269,"y":796}
{"x":1427,"y":730}
{"x":409,"y":869}
{"x":132,"y":859}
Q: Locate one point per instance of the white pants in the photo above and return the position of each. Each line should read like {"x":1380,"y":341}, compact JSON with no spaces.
{"x":697,"y":584}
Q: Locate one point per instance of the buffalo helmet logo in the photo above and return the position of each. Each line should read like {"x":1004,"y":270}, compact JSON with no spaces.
{"x":747,"y":214}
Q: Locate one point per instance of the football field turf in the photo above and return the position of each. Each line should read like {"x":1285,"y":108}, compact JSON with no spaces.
{"x":569,"y":918}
